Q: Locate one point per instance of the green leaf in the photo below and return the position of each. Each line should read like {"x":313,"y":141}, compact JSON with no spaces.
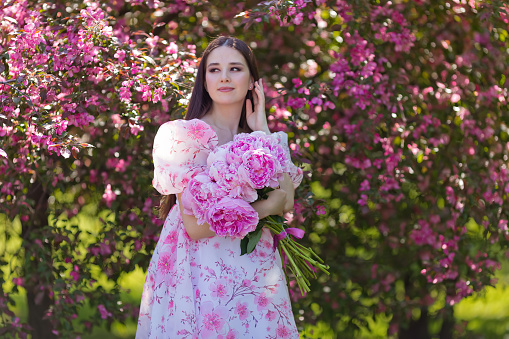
{"x":253,"y":237}
{"x":8,"y":18}
{"x":6,"y":71}
{"x":149,"y":59}
{"x":243,"y":245}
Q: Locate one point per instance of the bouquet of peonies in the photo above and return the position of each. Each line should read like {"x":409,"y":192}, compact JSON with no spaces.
{"x":237,"y":174}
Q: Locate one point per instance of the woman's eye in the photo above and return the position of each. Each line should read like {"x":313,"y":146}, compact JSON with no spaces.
{"x":212,"y":70}
{"x":235,"y":69}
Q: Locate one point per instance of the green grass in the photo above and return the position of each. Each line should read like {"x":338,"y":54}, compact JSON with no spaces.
{"x":487,"y":313}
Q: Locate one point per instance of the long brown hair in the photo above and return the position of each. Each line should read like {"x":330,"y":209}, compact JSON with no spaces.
{"x":201,"y":102}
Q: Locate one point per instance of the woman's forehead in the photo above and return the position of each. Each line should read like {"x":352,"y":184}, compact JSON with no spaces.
{"x":225,"y":55}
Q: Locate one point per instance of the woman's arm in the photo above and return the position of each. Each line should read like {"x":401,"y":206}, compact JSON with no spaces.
{"x":273,"y":205}
{"x":195,"y":231}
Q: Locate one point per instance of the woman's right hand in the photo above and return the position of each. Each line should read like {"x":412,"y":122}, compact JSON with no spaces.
{"x":273,"y":205}
{"x":277,"y":199}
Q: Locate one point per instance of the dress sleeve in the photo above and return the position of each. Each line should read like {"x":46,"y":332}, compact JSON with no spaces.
{"x":180,"y":152}
{"x":294,"y":171}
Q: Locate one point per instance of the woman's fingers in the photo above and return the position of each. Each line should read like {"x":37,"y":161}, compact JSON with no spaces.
{"x":258,"y":95}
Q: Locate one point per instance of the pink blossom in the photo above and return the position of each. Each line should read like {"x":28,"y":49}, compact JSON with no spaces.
{"x":158,"y":94}
{"x":165,"y":262}
{"x":135,"y":128}
{"x":232,"y":217}
{"x":109,"y":196}
{"x":242,"y":310}
{"x":232,"y":334}
{"x":104,"y":313}
{"x":364,"y":185}
{"x":214,"y":319}
{"x":219,"y":289}
{"x":283,"y":331}
{"x":125,"y":94}
{"x":363,"y":201}
{"x":320,"y":210}
{"x":147,"y":93}
{"x":152,"y":41}
{"x":120,"y":55}
{"x":18,"y":281}
{"x":75,"y":273}
{"x":61,"y":126}
{"x":262,"y":301}
{"x":270,"y":316}
{"x":297,"y":20}
{"x":172,"y":48}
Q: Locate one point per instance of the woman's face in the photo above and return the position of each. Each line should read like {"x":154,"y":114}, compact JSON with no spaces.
{"x":227,"y":77}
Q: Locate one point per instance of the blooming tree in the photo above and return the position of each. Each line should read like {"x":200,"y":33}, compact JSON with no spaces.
{"x":81,"y":100}
{"x":404,"y":121}
{"x":397,"y":109}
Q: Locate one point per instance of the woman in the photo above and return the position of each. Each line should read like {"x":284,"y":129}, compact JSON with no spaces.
{"x":198,"y":285}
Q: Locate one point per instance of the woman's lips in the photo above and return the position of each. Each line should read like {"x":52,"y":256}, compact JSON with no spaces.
{"x":225,"y":89}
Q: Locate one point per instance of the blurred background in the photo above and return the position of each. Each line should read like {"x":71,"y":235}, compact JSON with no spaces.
{"x":396,"y":110}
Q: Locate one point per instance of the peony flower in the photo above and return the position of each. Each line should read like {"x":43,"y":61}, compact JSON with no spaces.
{"x":260,"y":169}
{"x":227,"y":177}
{"x":218,"y":155}
{"x":232,"y":217}
{"x":200,"y":193}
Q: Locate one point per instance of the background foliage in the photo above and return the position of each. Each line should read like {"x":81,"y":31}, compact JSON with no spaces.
{"x":398,"y":111}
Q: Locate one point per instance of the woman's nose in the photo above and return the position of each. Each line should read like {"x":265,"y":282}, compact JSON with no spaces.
{"x":225,"y":77}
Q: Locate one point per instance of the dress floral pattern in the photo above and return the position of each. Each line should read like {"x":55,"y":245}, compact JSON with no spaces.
{"x":205,"y":288}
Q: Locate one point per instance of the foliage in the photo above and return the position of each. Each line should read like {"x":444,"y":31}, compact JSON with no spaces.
{"x":70,"y":84}
{"x":398,"y":108}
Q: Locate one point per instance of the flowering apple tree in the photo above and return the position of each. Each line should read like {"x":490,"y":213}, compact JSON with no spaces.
{"x":397,"y":109}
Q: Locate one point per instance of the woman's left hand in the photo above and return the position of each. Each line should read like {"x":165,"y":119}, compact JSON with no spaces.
{"x":256,"y":119}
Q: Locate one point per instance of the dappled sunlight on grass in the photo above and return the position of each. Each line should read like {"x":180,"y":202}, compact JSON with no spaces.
{"x":132,"y":282}
{"x":487,"y":312}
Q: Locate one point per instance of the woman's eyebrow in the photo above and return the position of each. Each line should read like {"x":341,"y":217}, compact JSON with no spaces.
{"x":231,"y":63}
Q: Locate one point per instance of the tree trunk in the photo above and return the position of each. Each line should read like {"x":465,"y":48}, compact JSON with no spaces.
{"x":417,"y":329}
{"x":446,"y":332}
{"x":38,"y":299}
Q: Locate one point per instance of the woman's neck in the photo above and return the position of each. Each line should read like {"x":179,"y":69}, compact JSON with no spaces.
{"x":224,"y":117}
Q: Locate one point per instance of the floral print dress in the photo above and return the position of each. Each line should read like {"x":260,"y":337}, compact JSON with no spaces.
{"x":205,"y":288}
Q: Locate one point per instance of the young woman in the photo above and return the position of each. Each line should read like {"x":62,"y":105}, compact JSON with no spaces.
{"x":198,"y":285}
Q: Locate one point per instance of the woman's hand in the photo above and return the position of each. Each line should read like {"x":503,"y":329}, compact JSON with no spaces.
{"x":273,"y":205}
{"x":256,"y":119}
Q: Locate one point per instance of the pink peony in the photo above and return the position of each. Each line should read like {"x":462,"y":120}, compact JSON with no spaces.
{"x":242,"y":143}
{"x":200,"y":193}
{"x":232,"y":217}
{"x":227,"y":177}
{"x":260,"y":169}
{"x":218,"y":155}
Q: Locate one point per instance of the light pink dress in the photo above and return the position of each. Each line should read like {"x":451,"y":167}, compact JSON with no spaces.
{"x":205,"y":288}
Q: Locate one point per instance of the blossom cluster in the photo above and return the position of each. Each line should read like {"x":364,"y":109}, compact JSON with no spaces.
{"x":80,"y":100}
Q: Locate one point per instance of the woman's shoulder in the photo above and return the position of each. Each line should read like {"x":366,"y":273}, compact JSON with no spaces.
{"x":191,"y":131}
{"x":193,"y":124}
